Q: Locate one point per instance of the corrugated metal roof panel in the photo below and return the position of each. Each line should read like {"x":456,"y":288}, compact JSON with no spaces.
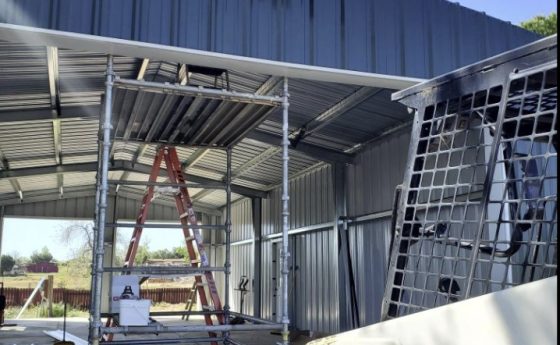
{"x":398,"y":37}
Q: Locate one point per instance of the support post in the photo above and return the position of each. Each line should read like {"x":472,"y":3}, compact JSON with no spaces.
{"x":347,"y":297}
{"x":50,"y":294}
{"x":256,"y":209}
{"x":228,"y":242}
{"x":1,"y":229}
{"x":285,"y":253}
{"x":103,"y":186}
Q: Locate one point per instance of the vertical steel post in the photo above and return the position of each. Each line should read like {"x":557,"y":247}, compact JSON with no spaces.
{"x":93,"y":283}
{"x":228,"y":241}
{"x":1,"y":227}
{"x":95,"y":319}
{"x":285,"y":254}
{"x":256,"y":209}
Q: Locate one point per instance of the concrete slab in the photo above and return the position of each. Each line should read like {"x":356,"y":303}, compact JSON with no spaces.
{"x":30,"y":332}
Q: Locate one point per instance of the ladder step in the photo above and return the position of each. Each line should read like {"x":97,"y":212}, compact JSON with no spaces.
{"x":190,"y":238}
{"x":208,"y":307}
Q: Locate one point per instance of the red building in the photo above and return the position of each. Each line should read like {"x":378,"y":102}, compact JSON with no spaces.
{"x":43,"y":267}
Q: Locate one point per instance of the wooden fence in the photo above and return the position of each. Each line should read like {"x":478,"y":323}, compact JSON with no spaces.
{"x":79,"y":299}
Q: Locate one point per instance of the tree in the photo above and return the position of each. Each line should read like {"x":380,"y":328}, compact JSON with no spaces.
{"x":80,"y":236}
{"x":542,"y":25}
{"x":142,"y":255}
{"x":43,"y":256}
{"x":6,"y":263}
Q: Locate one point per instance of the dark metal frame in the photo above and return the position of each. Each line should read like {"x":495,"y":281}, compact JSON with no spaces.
{"x":477,"y":210}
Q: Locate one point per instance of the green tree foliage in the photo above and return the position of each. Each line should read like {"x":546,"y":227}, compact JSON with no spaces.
{"x":142,"y":255}
{"x":42,"y":256}
{"x":542,"y":25}
{"x":6,"y":263}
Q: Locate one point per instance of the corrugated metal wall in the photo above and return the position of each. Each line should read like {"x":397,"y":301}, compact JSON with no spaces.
{"x":314,"y":254}
{"x":371,"y":183}
{"x":314,"y":277}
{"x":398,"y":37}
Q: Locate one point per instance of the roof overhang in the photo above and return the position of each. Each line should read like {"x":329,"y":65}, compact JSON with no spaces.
{"x":115,"y":46}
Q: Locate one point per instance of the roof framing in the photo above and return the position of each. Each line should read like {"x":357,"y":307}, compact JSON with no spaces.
{"x":118,"y":165}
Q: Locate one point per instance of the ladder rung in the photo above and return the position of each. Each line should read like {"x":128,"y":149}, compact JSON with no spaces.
{"x":184,"y":215}
{"x":208,"y":307}
{"x":190,"y":238}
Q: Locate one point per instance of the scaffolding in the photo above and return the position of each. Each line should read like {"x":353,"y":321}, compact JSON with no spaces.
{"x":220,"y":141}
{"x":477,"y":212}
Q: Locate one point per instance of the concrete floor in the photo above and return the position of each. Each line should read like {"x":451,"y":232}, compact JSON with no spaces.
{"x":30,"y":332}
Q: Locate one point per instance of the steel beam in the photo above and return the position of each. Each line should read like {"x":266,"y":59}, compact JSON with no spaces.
{"x":334,"y":112}
{"x":66,"y":112}
{"x":119,"y":165}
{"x":313,"y":151}
{"x":253,"y":162}
{"x":185,"y":90}
{"x":143,"y":68}
{"x":54,"y":91}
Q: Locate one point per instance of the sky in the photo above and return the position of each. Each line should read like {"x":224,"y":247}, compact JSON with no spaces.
{"x":22,"y":236}
{"x":515,"y":11}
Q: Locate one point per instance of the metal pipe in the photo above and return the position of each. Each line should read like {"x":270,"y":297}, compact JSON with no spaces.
{"x":164,"y":341}
{"x":166,"y":226}
{"x":285,"y":254}
{"x":239,"y":97}
{"x":95,"y":321}
{"x":228,"y":240}
{"x":160,"y":270}
{"x":189,"y":328}
{"x":251,"y":318}
{"x":167,"y":184}
{"x":93,"y":284}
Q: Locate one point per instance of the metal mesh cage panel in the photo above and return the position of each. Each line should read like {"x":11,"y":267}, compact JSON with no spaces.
{"x":478,"y":206}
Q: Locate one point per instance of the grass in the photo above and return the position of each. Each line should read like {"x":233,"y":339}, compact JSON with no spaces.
{"x":36,"y":311}
{"x":58,"y":311}
{"x":70,"y":279}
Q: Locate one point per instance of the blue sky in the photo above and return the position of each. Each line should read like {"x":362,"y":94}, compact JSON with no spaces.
{"x":515,"y":11}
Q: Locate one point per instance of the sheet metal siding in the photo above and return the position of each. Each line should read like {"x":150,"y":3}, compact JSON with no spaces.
{"x":369,"y":245}
{"x":315,"y":282}
{"x":311,"y":202}
{"x":399,"y":37}
{"x":378,"y":170}
{"x":314,"y":305}
{"x":241,"y":220}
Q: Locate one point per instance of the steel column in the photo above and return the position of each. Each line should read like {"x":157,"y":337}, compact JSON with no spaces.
{"x":227,"y":264}
{"x":95,"y":318}
{"x":285,"y":253}
{"x":256,"y":209}
{"x":347,"y":299}
{"x":1,"y":228}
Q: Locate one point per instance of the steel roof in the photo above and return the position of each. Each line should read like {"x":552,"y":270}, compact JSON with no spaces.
{"x":51,"y":100}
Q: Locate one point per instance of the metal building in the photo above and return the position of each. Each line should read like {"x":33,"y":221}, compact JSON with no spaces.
{"x":348,"y":140}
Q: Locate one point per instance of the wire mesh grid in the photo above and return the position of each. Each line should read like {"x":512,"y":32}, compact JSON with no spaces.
{"x":478,"y":206}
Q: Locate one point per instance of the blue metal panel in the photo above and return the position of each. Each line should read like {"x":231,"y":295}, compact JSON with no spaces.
{"x":398,"y":37}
